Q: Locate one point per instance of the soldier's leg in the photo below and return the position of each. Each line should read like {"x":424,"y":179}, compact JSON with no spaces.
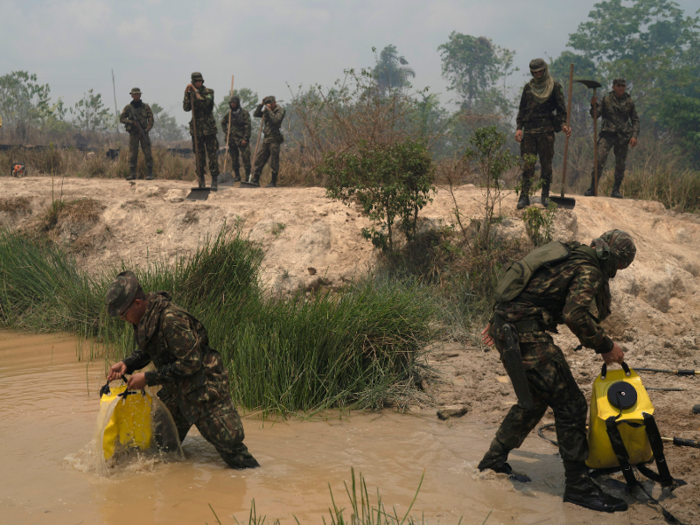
{"x":133,"y":155}
{"x":274,"y":163}
{"x":245,"y":157}
{"x":148,"y":154}
{"x":528,"y":152}
{"x":605,"y":144}
{"x":212,"y":145}
{"x":182,"y":425}
{"x":545,"y":149}
{"x":260,"y":161}
{"x":201,"y":157}
{"x":223,"y":429}
{"x":235,"y":164}
{"x":621,"y":148}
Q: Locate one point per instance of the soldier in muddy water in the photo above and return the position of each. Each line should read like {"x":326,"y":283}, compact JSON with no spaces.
{"x":136,"y":114}
{"x":619,"y":132}
{"x":207,"y":144}
{"x":195,"y":383}
{"x":541,"y":114}
{"x":558,"y":294}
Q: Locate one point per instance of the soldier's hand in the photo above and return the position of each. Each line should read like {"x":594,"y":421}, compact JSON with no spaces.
{"x":485,"y":337}
{"x":116,"y":371}
{"x":137,"y":381}
{"x":244,"y":143}
{"x":616,"y":355}
{"x":190,"y":87}
{"x":594,"y":101}
{"x":566,"y":130}
{"x":519,"y":135}
{"x":633,"y":142}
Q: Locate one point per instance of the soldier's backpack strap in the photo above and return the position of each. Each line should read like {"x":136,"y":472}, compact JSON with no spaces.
{"x":664,"y":477}
{"x":620,"y":450}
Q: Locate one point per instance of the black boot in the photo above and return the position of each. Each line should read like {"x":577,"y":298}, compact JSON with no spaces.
{"x":496,"y":459}
{"x":616,"y":187}
{"x":590,"y":192}
{"x":150,"y":174}
{"x":237,"y":178}
{"x":214,"y":183}
{"x":240,"y":459}
{"x":545,"y":194}
{"x":255,"y":181}
{"x":524,"y":200}
{"x":202,"y":182}
{"x":580,"y":490}
{"x":132,"y":175}
{"x":273,"y":182}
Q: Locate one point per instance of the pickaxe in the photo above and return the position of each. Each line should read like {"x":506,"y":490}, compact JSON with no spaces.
{"x":595,"y":85}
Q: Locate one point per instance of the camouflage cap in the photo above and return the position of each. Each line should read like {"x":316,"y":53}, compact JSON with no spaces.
{"x":268,"y":99}
{"x":234,"y":100}
{"x":121,"y":293}
{"x":135,"y":91}
{"x":620,"y":81}
{"x":197,"y":76}
{"x":537,"y":65}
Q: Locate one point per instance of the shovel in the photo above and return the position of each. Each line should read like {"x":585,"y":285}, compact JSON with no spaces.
{"x":595,"y":85}
{"x":566,"y":203}
{"x":226,"y":176}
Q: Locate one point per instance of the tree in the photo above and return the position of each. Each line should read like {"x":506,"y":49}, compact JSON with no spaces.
{"x":23,"y":100}
{"x":392,"y":71}
{"x":165,"y":127}
{"x":473,"y":66}
{"x":90,"y":113}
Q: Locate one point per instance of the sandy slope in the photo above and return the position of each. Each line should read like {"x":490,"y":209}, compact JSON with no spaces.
{"x":655,"y":302}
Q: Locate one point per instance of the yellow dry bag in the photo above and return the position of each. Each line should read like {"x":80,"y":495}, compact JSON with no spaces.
{"x":129,"y":424}
{"x":622,"y":430}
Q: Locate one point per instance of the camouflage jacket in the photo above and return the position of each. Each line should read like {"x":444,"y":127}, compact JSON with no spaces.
{"x":206,"y":125}
{"x":178,"y":346}
{"x":143,"y":114}
{"x":272,"y":122}
{"x":534,"y":117}
{"x":566,"y":293}
{"x":619,"y":115}
{"x":240,"y":126}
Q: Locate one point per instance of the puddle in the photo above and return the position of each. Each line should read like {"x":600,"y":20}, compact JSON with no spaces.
{"x":48,"y":418}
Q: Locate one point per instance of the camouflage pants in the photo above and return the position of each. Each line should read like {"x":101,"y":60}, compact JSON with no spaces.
{"x":234,"y":149}
{"x":541,"y":144}
{"x":551,"y":385}
{"x":208,"y":145}
{"x":271,"y":151}
{"x":222,"y":428}
{"x":619,"y":145}
{"x":134,"y":140}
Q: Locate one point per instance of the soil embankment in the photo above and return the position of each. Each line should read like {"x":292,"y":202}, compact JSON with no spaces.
{"x":313,"y":242}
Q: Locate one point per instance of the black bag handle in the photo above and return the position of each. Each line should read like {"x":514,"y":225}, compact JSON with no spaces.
{"x":604,"y":370}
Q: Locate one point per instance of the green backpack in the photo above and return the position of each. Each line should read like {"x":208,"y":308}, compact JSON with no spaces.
{"x":519,"y":273}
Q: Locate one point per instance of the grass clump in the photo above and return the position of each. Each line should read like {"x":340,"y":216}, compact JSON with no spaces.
{"x":354,"y":349}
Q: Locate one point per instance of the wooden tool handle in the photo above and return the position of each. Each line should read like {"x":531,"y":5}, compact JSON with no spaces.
{"x":568,"y":121}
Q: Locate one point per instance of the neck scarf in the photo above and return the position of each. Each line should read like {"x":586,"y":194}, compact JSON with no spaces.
{"x":542,"y":87}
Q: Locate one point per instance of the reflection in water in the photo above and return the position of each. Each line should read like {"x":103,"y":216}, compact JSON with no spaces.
{"x":51,"y":404}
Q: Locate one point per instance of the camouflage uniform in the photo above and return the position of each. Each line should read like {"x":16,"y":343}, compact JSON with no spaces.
{"x":207,"y":143}
{"x":620,"y":124}
{"x":195,"y":384}
{"x":561,"y":294}
{"x":270,"y":148}
{"x":137,"y":110}
{"x":240,"y":131}
{"x":538,"y":123}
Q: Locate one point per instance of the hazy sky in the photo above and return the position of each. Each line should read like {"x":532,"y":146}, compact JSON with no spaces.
{"x":155,"y":45}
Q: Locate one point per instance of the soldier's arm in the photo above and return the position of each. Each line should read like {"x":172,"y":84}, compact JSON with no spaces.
{"x":187,"y":102}
{"x":521,"y":112}
{"x":635,"y":121}
{"x":577,"y":315}
{"x":258,"y":113}
{"x":599,"y":108}
{"x":124,"y":118}
{"x":184,"y":345}
{"x":224,"y":122}
{"x":246,"y":125}
{"x":149,"y":116}
{"x":137,"y":360}
{"x":207,"y":102}
{"x":560,"y":104}
{"x":276,"y":117}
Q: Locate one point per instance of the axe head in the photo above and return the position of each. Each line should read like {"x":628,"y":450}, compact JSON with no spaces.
{"x":589,"y":83}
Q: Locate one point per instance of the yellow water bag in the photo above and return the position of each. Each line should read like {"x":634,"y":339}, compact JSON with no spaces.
{"x":619,"y":400}
{"x":130,"y":424}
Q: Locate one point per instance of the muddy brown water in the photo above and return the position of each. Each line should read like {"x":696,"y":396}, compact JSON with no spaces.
{"x":49,"y":408}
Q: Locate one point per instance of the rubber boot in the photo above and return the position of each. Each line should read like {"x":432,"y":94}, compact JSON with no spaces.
{"x":616,"y":187}
{"x":214,"y":183}
{"x":496,"y":459}
{"x":132,"y":175}
{"x":545,"y":194}
{"x":524,"y":200}
{"x":240,"y":458}
{"x":202,"y":182}
{"x":150,"y":174}
{"x":580,"y":490}
{"x":237,"y":178}
{"x":273,"y":182}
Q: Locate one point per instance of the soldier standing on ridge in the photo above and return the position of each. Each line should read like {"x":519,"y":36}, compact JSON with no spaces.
{"x":240,"y":137}
{"x":536,"y":125}
{"x":207,"y":143}
{"x":560,"y":293}
{"x":272,"y":116}
{"x":620,"y":130}
{"x":137,"y":111}
{"x":195,"y":384}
